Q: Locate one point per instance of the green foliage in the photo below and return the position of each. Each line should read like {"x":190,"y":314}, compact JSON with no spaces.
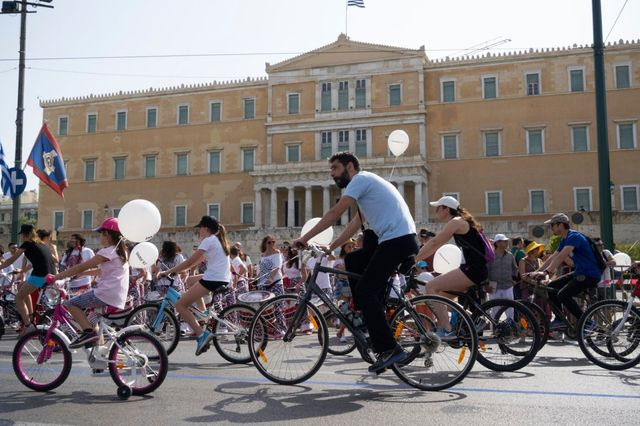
{"x":634,"y":252}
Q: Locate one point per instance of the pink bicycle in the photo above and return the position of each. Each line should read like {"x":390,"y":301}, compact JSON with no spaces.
{"x":136,"y":360}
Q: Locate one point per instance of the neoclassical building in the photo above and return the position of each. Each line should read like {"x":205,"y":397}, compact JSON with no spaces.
{"x":512,"y":136}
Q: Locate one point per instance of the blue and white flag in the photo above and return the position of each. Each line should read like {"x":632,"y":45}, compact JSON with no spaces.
{"x":357,"y":3}
{"x":6,"y":176}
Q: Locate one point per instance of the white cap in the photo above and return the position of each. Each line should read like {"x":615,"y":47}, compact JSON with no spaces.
{"x":447,"y":201}
{"x":500,"y":237}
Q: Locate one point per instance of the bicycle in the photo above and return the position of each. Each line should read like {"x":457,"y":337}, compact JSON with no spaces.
{"x":294,"y":354}
{"x":229,"y":328}
{"x":9,"y":314}
{"x":136,"y":360}
{"x":609,"y":332}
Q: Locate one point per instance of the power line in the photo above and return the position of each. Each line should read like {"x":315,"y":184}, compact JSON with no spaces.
{"x":10,"y":69}
{"x":616,"y":21}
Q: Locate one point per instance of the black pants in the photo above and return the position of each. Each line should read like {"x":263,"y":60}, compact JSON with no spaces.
{"x":569,"y":287}
{"x":369,"y":291}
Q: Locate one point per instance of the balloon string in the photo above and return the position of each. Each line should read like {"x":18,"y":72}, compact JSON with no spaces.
{"x":394,"y":166}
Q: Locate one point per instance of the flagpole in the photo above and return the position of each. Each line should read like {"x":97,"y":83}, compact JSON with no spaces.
{"x":346,"y":14}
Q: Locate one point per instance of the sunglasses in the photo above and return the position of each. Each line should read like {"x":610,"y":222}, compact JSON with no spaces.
{"x":271,"y":242}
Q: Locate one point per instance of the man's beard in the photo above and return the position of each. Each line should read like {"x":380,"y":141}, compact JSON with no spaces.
{"x":343,"y":180}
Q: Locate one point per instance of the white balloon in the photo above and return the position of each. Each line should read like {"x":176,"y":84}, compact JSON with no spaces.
{"x":324,"y":238}
{"x":398,"y":142}
{"x":139,"y":220}
{"x":447,"y":258}
{"x":143,"y":255}
{"x":622,"y":260}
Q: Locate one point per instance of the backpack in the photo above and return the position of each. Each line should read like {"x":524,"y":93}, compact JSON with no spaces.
{"x":489,"y":252}
{"x":600,"y":261}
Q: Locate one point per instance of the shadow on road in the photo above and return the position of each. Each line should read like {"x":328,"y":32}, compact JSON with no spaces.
{"x":559,"y":361}
{"x":627,"y":377}
{"x":18,"y":401}
{"x":286,"y":403}
{"x":501,"y":375}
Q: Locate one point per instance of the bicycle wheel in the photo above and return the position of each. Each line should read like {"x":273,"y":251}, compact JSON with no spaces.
{"x":168,"y":332}
{"x":599,"y":343}
{"x":512,"y":342}
{"x":40,"y":365}
{"x":288,"y":359}
{"x":542,"y":319}
{"x":338,"y":345}
{"x":435,"y":363}
{"x":232,"y":344}
{"x":139,"y":361}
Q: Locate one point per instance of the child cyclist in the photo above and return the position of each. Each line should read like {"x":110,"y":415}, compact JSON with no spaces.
{"x":42,"y":262}
{"x":213,"y":248}
{"x":113,"y":280}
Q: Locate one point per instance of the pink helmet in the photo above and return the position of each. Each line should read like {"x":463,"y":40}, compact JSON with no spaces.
{"x":109,"y":224}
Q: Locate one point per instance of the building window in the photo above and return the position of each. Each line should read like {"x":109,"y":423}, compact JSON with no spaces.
{"x":293,"y":103}
{"x":181,"y":215}
{"x":343,"y":95}
{"x":121,"y":120}
{"x":576,"y":80}
{"x":116,"y":212}
{"x":580,"y":138}
{"x":623,"y":77}
{"x":361,"y":93}
{"x":626,"y":135}
{"x":213,"y":210}
{"x":532,"y":84}
{"x":325,"y":145}
{"x":90,"y":170}
{"x":249,"y":108}
{"x":449,"y":147}
{"x":490,"y":87}
{"x":455,"y":195}
{"x":87,"y":219}
{"x":293,"y":153}
{"x":535,"y":141}
{"x":247,"y":213}
{"x":152,"y":118}
{"x":582,"y":198}
{"x":63,"y":126}
{"x":182,"y":164}
{"x":58,"y":220}
{"x":395,"y":94}
{"x":149,"y":166}
{"x":494,"y":202}
{"x":248,"y":159}
{"x":325,"y":97}
{"x":119,"y":168}
{"x":361,"y":143}
{"x":183,"y":115}
{"x":492,"y":144}
{"x":343,"y":140}
{"x":92,"y":123}
{"x":536,"y":200}
{"x":215,"y":112}
{"x":448,"y":91}
{"x":630,"y":197}
{"x":214,"y":162}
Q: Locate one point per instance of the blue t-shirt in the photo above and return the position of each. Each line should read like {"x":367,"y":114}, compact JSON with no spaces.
{"x":582,"y":254}
{"x":381,"y":205}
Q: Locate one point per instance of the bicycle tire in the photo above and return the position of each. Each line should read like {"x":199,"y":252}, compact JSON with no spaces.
{"x":116,"y":365}
{"x":505,"y":334}
{"x":543,"y":321}
{"x":239,"y":341}
{"x":601,"y":323}
{"x":2,"y":330}
{"x":169,"y":340}
{"x":55,"y":342}
{"x":338,"y":348}
{"x":277,"y":314}
{"x":463,"y":339}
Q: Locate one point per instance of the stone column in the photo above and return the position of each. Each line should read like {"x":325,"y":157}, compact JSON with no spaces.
{"x":325,"y":200}
{"x":273,"y":218}
{"x":308,"y":207}
{"x":418,"y":202}
{"x":401,"y":188}
{"x":258,"y":209}
{"x":291,"y":208}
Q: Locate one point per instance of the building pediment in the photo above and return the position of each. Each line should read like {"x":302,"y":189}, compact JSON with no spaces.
{"x":345,"y":51}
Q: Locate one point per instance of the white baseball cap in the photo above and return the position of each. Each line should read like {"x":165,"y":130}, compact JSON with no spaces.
{"x":500,"y":237}
{"x":447,"y":201}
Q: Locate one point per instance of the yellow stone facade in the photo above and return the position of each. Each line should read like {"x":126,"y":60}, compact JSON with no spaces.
{"x":351,"y":95}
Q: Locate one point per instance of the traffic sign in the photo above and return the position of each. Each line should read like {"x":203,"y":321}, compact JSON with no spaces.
{"x":18,"y":181}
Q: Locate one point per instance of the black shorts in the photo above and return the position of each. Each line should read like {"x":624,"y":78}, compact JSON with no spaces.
{"x":477,"y":274}
{"x":213,"y":285}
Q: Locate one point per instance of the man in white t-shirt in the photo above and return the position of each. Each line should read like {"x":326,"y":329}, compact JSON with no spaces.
{"x":322,"y":279}
{"x":80,"y":254}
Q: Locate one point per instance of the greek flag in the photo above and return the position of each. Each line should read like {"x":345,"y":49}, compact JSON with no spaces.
{"x":6,"y":177}
{"x":357,"y":3}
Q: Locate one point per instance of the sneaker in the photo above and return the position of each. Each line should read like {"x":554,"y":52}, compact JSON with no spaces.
{"x":590,"y":326}
{"x":28,"y":329}
{"x":343,"y":339}
{"x":202,"y":342}
{"x":557,"y":324}
{"x":443,"y":334}
{"x":85,"y":338}
{"x":384,"y":360}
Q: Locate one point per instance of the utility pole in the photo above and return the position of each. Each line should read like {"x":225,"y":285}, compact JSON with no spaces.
{"x":604,"y":173}
{"x":12,"y":8}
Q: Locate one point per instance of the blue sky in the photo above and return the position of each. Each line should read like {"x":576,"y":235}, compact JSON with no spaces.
{"x":267,"y":30}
